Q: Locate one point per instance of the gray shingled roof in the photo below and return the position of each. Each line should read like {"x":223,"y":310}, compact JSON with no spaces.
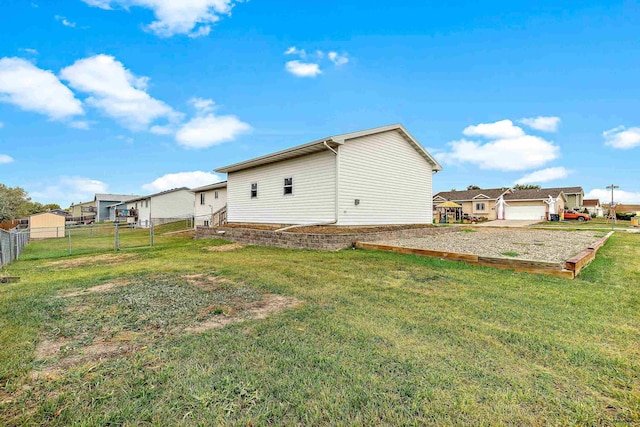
{"x":217,"y":185}
{"x":566,"y":190}
{"x":159,"y":194}
{"x":491,"y":193}
{"x":114,"y":197}
{"x":540,"y":194}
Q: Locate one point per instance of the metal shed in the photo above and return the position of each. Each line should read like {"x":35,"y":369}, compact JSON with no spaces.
{"x":46,"y":225}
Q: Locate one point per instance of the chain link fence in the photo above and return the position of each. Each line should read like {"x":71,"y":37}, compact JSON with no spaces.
{"x":12,"y":243}
{"x":54,"y":242}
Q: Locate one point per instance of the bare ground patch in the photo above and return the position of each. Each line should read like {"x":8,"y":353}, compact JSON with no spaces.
{"x":95,"y":290}
{"x":205,"y":282}
{"x":257,"y":310}
{"x":96,"y":260}
{"x":224,"y":248}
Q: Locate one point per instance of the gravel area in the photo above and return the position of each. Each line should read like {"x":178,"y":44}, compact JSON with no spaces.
{"x":538,"y":245}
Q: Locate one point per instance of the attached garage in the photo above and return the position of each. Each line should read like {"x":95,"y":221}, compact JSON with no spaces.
{"x":532,"y":212}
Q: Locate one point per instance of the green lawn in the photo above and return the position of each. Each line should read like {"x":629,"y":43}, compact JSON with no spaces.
{"x":594,"y":223}
{"x":369,"y":338}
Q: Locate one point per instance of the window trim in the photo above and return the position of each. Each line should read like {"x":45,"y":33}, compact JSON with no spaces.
{"x":476,"y":209}
{"x":202,"y":197}
{"x":215,"y":194}
{"x":286,"y":187}
{"x":254,"y":184}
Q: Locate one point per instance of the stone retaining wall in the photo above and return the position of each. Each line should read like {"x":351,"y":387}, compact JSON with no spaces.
{"x":250,"y":236}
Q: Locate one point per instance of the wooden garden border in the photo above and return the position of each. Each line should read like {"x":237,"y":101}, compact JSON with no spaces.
{"x":567,"y":270}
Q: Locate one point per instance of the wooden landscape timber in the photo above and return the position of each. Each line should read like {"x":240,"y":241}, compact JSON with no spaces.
{"x":9,"y":279}
{"x":583,"y":259}
{"x":567,"y":270}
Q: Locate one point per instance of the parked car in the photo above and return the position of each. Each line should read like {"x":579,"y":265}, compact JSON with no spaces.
{"x":576,"y":215}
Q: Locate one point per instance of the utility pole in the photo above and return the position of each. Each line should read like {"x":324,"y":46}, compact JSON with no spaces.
{"x":612,"y":212}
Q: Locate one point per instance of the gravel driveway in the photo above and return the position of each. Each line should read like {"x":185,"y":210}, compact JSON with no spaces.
{"x":538,"y":245}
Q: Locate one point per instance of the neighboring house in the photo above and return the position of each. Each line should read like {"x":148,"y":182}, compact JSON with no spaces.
{"x":532,"y":204}
{"x":209,"y":199}
{"x":376,"y":176}
{"x":162,"y":207}
{"x":98,"y":208}
{"x":85,"y":210}
{"x":593,"y":207}
{"x":574,"y":195}
{"x":59,"y":212}
{"x":103,"y":202}
{"x":479,"y":203}
{"x":46,"y":225}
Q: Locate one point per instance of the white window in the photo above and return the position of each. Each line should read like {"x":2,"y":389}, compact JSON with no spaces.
{"x":202,"y":199}
{"x":254,"y":190}
{"x":288,"y":186}
{"x":215,"y":195}
{"x":480,"y":207}
{"x":206,"y":223}
{"x":146,"y":203}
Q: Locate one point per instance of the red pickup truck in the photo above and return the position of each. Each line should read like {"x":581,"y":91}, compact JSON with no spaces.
{"x":576,"y":215}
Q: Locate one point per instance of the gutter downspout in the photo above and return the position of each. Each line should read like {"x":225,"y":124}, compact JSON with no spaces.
{"x":337,"y":208}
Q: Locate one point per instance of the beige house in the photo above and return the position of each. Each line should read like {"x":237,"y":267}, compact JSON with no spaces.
{"x":533,"y":204}
{"x":85,"y":210}
{"x":520,"y":204}
{"x":161,"y":208}
{"x":209,"y":200}
{"x":574,"y":196}
{"x":46,"y":225}
{"x":479,"y":203}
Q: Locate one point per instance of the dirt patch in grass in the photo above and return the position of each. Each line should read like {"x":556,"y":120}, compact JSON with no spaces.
{"x":224,"y":248}
{"x":205,"y":282}
{"x":115,"y":319}
{"x":97,"y":260}
{"x":95,"y":290}
{"x":269,"y":304}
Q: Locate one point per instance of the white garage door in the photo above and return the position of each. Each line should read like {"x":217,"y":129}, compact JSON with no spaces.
{"x":525,"y":212}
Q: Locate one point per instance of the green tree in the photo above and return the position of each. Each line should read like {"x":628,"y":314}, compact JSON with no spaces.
{"x":473,"y":187}
{"x":14,"y":203}
{"x":526,"y":187}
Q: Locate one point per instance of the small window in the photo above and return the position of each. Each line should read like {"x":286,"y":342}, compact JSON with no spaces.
{"x":288,"y":186}
{"x":480,"y":207}
{"x":202,"y":199}
{"x":206,"y":223}
{"x":146,"y":203}
{"x":215,"y":195}
{"x":254,"y":190}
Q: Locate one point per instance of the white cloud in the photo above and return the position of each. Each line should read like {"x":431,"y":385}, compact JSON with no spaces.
{"x":545,"y":124}
{"x":303,"y":69}
{"x":501,"y":129}
{"x":622,"y":137}
{"x":338,"y":59}
{"x":191,"y":17}
{"x":80,"y":124}
{"x":33,"y":89}
{"x":182,"y":179}
{"x":162,"y":130}
{"x":29,"y":51}
{"x":117,"y":92}
{"x":202,"y":105}
{"x":619,"y":196}
{"x":4,"y":159}
{"x":544,"y":175}
{"x":69,"y":189}
{"x":508,"y":148}
{"x":65,"y":21}
{"x":299,"y":52}
{"x":208,"y":130}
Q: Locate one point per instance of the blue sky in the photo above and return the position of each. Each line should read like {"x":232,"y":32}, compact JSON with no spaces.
{"x":137,"y":96}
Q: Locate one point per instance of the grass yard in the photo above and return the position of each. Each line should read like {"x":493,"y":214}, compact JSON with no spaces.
{"x":204,"y":333}
{"x":593,"y":224}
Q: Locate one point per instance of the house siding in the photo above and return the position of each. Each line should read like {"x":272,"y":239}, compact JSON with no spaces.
{"x":391,"y":180}
{"x":178,"y":204}
{"x":203,"y":212}
{"x":313,"y":198}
